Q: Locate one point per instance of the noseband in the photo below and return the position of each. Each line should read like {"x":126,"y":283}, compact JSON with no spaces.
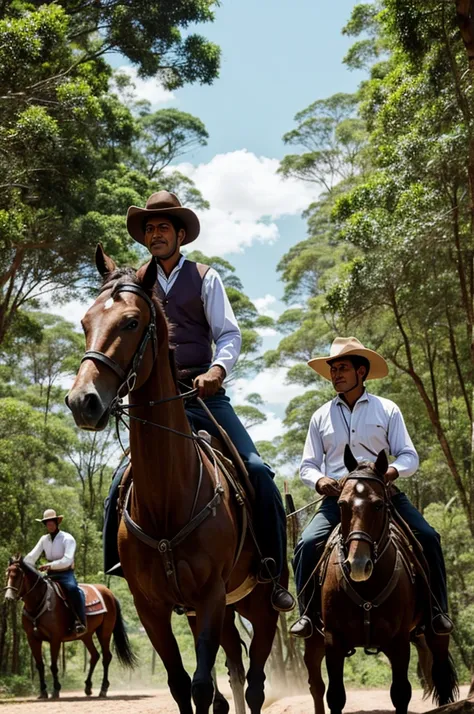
{"x":129,"y":377}
{"x":377,"y":547}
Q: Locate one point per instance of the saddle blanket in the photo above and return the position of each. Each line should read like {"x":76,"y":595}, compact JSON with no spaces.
{"x":95,"y":604}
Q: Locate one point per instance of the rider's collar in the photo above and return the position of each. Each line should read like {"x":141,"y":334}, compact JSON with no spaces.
{"x":364,"y":397}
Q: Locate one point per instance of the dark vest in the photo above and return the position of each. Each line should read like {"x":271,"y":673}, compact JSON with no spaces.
{"x":191,"y":334}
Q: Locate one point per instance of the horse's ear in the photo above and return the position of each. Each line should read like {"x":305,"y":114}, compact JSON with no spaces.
{"x":350,"y":461}
{"x":381,"y":465}
{"x":148,"y":275}
{"x":104,"y":263}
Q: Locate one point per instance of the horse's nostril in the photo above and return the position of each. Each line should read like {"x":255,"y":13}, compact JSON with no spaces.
{"x":66,"y":400}
{"x":369,"y":567}
{"x":92,"y":404}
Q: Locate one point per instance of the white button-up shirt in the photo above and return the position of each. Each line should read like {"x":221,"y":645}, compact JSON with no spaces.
{"x":219,"y":314}
{"x":59,"y":552}
{"x":374,"y":424}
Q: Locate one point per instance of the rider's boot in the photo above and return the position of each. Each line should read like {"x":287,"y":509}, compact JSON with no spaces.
{"x":79,"y":627}
{"x":281,"y":599}
{"x":441,"y":623}
{"x":310,"y":613}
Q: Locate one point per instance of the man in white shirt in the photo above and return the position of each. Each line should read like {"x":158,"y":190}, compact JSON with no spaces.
{"x":59,"y":548}
{"x":368,"y":424}
{"x":196,"y":304}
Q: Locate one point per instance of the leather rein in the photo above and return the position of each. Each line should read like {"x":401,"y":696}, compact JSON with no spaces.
{"x":117,"y":408}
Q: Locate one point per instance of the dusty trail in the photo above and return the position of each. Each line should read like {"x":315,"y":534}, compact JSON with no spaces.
{"x":374,"y":701}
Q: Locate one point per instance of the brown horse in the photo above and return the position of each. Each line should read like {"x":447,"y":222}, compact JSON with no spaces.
{"x":185,"y":548}
{"x":372,"y":597}
{"x":47,"y":618}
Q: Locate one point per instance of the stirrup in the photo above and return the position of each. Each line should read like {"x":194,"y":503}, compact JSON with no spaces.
{"x":266,"y":573}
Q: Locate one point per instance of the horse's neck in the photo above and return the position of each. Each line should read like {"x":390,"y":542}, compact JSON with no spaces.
{"x":165,"y":465}
{"x":35,"y":590}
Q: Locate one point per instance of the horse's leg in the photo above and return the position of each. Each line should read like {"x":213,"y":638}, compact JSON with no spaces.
{"x":313,"y":657}
{"x":220,"y":705}
{"x":94,"y":655}
{"x":35,"y":647}
{"x":264,"y":622}
{"x":157,"y":623}
{"x":209,"y":621}
{"x":104,"y":635}
{"x":232,"y":645}
{"x":336,"y":696}
{"x":398,"y":652}
{"x":55,"y":646}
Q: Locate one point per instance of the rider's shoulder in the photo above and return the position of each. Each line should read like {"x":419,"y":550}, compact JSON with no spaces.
{"x":388,"y":405}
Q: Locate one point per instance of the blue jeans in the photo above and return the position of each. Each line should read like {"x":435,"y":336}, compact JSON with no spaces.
{"x":314,"y":537}
{"x":268,"y":513}
{"x":74,"y":594}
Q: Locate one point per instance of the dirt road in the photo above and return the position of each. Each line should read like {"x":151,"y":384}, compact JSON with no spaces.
{"x":160,"y":701}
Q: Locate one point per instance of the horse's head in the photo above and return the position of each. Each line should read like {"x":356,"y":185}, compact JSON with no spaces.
{"x":364,"y":517}
{"x":120,"y":330}
{"x":15,"y":578}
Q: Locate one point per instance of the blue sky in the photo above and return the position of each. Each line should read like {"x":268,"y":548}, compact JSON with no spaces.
{"x":277,"y":57}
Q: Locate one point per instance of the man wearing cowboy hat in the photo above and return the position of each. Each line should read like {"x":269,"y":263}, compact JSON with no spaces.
{"x":368,"y":424}
{"x":195,"y":301}
{"x":59,"y":548}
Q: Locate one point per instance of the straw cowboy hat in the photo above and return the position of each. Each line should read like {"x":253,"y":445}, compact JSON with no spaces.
{"x":162,"y":202}
{"x":49,"y":515}
{"x":347,"y":347}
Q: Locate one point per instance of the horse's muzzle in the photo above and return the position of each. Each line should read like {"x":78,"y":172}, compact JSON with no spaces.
{"x":88,"y":409}
{"x":359,"y":569}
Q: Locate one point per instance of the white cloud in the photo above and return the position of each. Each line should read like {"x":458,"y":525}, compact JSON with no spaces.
{"x":270,"y":384}
{"x":263,"y":306}
{"x":268,"y":430}
{"x":247,"y":197}
{"x":266,"y":331}
{"x":150,"y":88}
{"x":72,"y":311}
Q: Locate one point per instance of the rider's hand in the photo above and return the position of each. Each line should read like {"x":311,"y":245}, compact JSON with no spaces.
{"x":328,"y":486}
{"x":210,"y":382}
{"x":45,"y":568}
{"x":391,"y":474}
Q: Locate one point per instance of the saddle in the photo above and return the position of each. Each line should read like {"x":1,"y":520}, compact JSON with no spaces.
{"x":95,"y":604}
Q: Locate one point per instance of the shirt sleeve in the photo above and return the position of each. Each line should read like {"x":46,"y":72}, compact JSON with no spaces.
{"x":68,"y":558}
{"x":401,"y":446}
{"x":34,"y":554}
{"x":222,"y":321}
{"x":313,"y":455}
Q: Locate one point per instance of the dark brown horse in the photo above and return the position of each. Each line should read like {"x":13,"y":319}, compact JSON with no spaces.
{"x":372,"y":597}
{"x":176,"y":486}
{"x":46,"y":618}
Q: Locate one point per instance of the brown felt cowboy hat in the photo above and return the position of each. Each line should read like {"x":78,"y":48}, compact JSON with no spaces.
{"x":49,"y":515}
{"x":168,"y":204}
{"x":348,"y":347}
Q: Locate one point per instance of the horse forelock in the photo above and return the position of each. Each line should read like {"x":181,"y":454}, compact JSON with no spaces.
{"x":364,"y":468}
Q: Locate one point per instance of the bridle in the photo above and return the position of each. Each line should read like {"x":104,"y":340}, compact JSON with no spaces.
{"x":129,"y":377}
{"x":379,"y":546}
{"x":18,"y":589}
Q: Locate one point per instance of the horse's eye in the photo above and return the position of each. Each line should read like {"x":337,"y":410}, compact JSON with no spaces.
{"x":341,"y":504}
{"x":132,"y":325}
{"x":378,"y":505}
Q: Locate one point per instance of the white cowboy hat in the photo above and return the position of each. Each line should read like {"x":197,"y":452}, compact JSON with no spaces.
{"x":168,"y":204}
{"x":347,"y":347}
{"x":49,"y":515}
